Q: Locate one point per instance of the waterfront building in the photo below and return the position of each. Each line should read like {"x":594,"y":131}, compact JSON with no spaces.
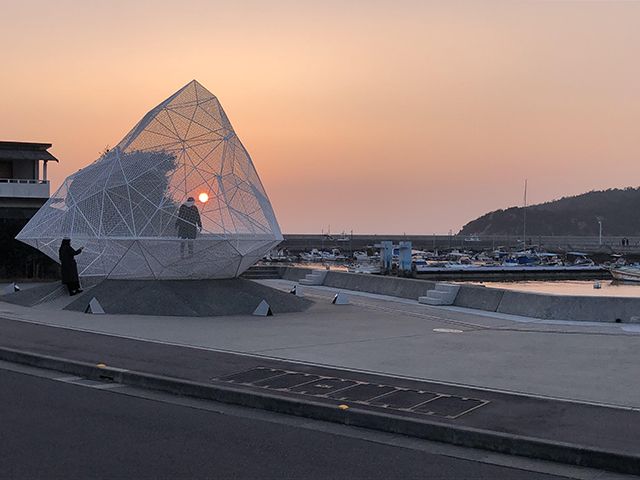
{"x":23,"y":176}
{"x":24,"y":188}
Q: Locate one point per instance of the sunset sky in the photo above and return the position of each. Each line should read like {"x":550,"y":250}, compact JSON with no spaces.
{"x":376,"y":117}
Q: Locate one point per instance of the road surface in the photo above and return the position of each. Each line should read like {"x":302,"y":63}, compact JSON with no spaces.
{"x":52,"y":429}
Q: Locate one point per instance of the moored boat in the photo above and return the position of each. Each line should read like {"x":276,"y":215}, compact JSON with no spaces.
{"x":626,"y":274}
{"x":359,"y":268}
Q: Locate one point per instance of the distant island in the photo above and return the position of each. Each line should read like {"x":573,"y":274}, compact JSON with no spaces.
{"x":619,"y":210}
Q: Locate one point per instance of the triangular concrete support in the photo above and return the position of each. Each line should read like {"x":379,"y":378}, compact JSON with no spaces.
{"x":263,"y":310}
{"x":340,"y":299}
{"x":94,"y":307}
{"x":297,"y":290}
{"x":11,"y":288}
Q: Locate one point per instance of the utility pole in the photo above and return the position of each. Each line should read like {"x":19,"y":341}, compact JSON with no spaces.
{"x":351,"y":245}
{"x":524,"y":216}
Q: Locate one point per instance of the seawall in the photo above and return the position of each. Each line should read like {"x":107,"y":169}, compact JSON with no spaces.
{"x":536,"y":305}
{"x":362,"y":282}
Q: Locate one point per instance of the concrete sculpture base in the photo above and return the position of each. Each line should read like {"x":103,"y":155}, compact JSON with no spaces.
{"x":190,"y":298}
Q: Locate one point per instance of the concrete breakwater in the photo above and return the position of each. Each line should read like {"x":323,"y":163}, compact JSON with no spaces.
{"x":297,"y":243}
{"x":536,"y":305}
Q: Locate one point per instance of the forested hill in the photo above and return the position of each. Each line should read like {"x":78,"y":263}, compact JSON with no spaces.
{"x":618,"y":209}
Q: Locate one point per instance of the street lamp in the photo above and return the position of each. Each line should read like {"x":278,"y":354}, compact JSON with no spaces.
{"x":600,"y":230}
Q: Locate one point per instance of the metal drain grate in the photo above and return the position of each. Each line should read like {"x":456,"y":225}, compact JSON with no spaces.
{"x":362,"y":392}
{"x":343,"y":389}
{"x":404,"y":399}
{"x":324,"y":386}
{"x":254,"y":375}
{"x":448,"y":406}
{"x":286,"y":381}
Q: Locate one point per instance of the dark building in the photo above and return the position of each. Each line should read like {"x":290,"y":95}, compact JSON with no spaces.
{"x":24,"y":188}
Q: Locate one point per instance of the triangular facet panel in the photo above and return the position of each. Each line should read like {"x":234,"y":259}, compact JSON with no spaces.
{"x":180,"y":186}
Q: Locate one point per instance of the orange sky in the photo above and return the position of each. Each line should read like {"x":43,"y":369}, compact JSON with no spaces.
{"x":376,"y":117}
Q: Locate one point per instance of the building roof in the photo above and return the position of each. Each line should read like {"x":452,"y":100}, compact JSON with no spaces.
{"x":25,"y":151}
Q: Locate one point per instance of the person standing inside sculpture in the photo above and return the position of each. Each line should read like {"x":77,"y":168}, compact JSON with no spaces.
{"x":69,"y":267}
{"x":188,"y":223}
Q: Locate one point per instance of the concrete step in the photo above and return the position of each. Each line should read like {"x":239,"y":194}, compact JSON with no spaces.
{"x":316,"y":277}
{"x":438,"y":295}
{"x":261,"y":272}
{"x":443,"y":294}
{"x":447,"y":287}
{"x":312,"y":280}
{"x":432,"y":301}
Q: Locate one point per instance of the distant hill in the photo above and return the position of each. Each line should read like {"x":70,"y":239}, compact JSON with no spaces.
{"x":619,"y":210}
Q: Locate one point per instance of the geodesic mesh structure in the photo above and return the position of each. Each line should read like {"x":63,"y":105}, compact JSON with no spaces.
{"x":125,"y":208}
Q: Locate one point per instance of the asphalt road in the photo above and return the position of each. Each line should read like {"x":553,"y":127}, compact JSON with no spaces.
{"x":50,"y":429}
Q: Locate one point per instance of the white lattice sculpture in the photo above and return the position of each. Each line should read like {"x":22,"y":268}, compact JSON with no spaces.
{"x":125,"y":208}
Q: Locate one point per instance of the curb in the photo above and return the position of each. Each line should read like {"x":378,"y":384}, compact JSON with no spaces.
{"x":572,"y":454}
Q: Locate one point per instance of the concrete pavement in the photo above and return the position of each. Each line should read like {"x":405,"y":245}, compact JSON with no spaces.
{"x":573,"y":433}
{"x":381,"y":340}
{"x":582,"y":361}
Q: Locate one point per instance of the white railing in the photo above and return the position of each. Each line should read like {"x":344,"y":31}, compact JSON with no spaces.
{"x":23,"y":180}
{"x":24,"y":188}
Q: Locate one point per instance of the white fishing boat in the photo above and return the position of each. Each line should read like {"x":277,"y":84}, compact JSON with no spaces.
{"x":359,"y":268}
{"x":579,"y":259}
{"x":278,"y":256}
{"x":316,"y":255}
{"x":333,"y":255}
{"x":313,"y":256}
{"x":360,"y":256}
{"x":629,"y":273}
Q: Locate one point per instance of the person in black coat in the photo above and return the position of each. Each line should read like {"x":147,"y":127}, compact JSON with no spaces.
{"x":69,"y":267}
{"x":187,"y":224}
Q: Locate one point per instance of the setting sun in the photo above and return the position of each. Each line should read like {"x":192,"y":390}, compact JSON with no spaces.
{"x":203,"y":197}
